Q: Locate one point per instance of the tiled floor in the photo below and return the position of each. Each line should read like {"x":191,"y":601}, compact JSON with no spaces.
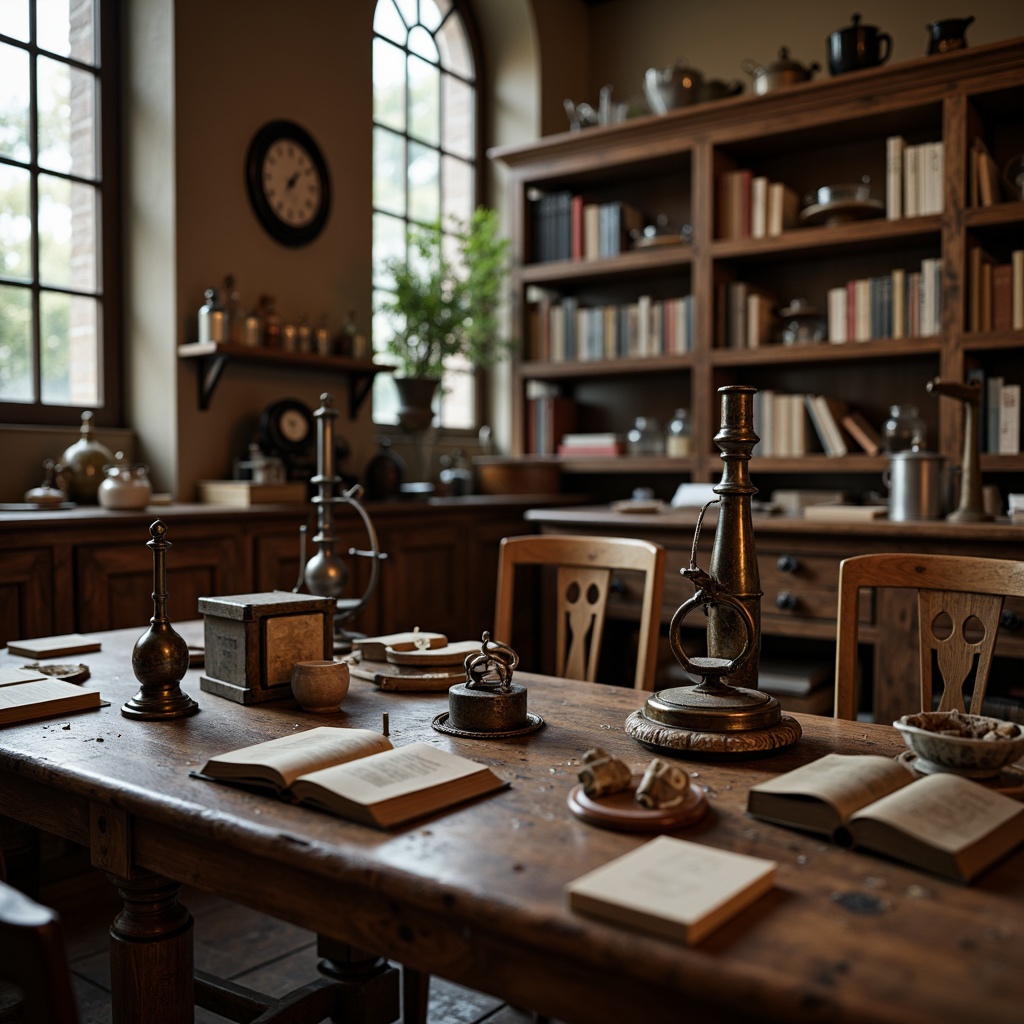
{"x":235,"y":943}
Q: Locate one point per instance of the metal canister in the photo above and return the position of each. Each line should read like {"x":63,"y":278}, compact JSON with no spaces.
{"x":916,"y":485}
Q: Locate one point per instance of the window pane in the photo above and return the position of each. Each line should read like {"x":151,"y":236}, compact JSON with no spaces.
{"x":388,"y":241}
{"x":66,"y":27}
{"x":69,"y":356}
{"x":14,"y":21}
{"x":458,"y":190}
{"x":459,"y":135}
{"x":15,"y":223}
{"x":15,"y":344}
{"x":424,"y":101}
{"x":454,"y":46}
{"x":424,"y":187}
{"x":386,"y":22}
{"x":457,"y":401}
{"x":388,"y":85}
{"x":422,"y":42}
{"x":67,"y":118}
{"x":388,"y":171}
{"x":431,"y":13}
{"x":67,"y":233}
{"x":407,"y":8}
{"x":14,"y":138}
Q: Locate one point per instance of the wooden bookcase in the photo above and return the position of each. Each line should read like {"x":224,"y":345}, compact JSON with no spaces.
{"x":807,"y":136}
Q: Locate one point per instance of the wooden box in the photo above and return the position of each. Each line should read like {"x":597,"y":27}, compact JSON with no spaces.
{"x":253,"y":640}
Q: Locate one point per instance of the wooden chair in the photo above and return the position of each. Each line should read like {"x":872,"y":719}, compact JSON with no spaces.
{"x":951,"y":590}
{"x":33,"y":958}
{"x":585,"y":567}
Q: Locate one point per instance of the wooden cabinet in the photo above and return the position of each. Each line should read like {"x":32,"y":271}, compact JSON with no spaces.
{"x":675,"y":166}
{"x":89,"y":569}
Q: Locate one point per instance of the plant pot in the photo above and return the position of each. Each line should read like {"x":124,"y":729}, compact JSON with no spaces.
{"x":415,"y":398}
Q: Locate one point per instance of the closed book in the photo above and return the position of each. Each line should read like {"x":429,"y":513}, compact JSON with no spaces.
{"x":737,"y":314}
{"x":243,"y":493}
{"x":831,"y":411}
{"x":548,"y":419}
{"x":894,"y":146}
{"x":591,"y":214}
{"x":837,"y":315}
{"x":843,"y":513}
{"x":590,"y":451}
{"x":591,"y":440}
{"x":793,"y":678}
{"x":1009,"y":419}
{"x":862,"y":432}
{"x":898,"y":289}
{"x":993,"y":402}
{"x":760,"y":319}
{"x":41,"y":696}
{"x":783,"y":208}
{"x":53,"y":646}
{"x":1017,"y":289}
{"x":758,"y":207}
{"x":673,"y":888}
{"x":819,"y":428}
{"x":910,"y":183}
{"x":577,"y":227}
{"x":1002,"y":297}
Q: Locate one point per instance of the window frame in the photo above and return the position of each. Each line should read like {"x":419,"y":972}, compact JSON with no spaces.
{"x":480,"y":380}
{"x":110,"y":411}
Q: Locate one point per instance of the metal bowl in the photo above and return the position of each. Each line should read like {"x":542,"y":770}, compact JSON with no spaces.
{"x":850,"y":192}
{"x":931,"y":735}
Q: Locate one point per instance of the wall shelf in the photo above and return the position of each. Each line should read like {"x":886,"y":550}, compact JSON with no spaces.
{"x":213,"y":357}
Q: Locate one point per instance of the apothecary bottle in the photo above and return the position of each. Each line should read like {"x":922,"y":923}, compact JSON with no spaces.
{"x":677,"y":437}
{"x":904,"y":430}
{"x":213,"y":320}
{"x":645,"y":438}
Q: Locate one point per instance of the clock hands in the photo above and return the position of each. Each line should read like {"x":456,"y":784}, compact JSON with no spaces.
{"x":291,"y":181}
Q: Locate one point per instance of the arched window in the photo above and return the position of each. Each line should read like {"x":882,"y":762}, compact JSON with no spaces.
{"x":426,"y":162}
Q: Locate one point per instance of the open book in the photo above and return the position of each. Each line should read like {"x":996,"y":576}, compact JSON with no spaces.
{"x":357,"y":774}
{"x":942,"y":823}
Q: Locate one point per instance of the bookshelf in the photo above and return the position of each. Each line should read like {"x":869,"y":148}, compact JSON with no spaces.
{"x":811,"y":135}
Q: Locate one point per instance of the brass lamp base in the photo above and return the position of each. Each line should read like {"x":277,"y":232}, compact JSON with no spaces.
{"x":733,"y":721}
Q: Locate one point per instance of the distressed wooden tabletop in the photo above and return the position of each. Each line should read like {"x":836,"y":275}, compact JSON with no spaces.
{"x":476,"y":895}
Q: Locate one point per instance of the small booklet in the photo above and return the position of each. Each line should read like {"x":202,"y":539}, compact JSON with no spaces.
{"x":53,"y":646}
{"x":26,"y":695}
{"x":942,"y":823}
{"x":673,"y":888}
{"x":357,"y":774}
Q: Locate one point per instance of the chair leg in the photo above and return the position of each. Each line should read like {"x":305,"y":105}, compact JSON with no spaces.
{"x":415,"y":996}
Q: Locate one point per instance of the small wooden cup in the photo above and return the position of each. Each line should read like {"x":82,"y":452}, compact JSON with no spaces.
{"x":320,"y":686}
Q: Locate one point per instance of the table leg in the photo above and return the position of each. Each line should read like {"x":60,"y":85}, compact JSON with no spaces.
{"x":367,"y":984}
{"x":151,"y":953}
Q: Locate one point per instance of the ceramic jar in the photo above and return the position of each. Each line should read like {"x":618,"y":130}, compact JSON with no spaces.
{"x":320,"y":686}
{"x":125,"y":486}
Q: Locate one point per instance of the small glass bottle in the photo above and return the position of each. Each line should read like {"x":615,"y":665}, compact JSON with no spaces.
{"x":213,"y":321}
{"x":677,"y":438}
{"x":904,"y":430}
{"x":645,"y":438}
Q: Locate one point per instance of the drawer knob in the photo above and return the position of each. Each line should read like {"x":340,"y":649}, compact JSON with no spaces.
{"x":788,"y":563}
{"x":786,"y":601}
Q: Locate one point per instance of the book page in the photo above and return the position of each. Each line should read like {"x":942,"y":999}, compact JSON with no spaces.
{"x":46,"y":688}
{"x":845,"y":782}
{"x":390,"y":774}
{"x":10,"y":676}
{"x":944,"y":810}
{"x":288,"y":757}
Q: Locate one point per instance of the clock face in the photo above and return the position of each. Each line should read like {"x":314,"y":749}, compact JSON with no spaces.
{"x":294,"y":426}
{"x":291,"y":183}
{"x":288,"y":183}
{"x":287,"y":427}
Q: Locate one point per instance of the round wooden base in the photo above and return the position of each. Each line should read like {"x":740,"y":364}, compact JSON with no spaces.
{"x":677,"y":741}
{"x":621,"y":812}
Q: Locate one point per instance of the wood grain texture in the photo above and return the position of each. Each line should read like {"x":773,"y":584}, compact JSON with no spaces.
{"x":476,"y":895}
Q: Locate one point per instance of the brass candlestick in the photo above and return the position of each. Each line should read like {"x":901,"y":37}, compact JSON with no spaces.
{"x":725,"y":713}
{"x":160,"y":656}
{"x":971,"y":508}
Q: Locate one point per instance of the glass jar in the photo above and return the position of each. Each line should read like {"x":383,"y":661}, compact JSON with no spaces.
{"x":904,"y":430}
{"x":677,"y":438}
{"x":645,"y":438}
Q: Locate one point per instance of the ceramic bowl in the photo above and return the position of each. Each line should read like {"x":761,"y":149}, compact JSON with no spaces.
{"x":964,"y":754}
{"x":320,"y":686}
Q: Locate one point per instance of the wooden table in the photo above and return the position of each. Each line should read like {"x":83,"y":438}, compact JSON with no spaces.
{"x":476,"y":895}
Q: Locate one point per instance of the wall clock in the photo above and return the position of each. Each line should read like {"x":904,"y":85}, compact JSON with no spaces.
{"x":289,"y":187}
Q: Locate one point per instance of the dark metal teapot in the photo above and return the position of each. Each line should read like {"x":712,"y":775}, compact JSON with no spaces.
{"x":948,"y":34}
{"x":779,"y":73}
{"x":857,"y":46}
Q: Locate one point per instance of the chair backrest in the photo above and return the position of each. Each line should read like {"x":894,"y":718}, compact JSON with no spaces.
{"x":950,"y":586}
{"x":584,"y":574}
{"x":34,"y":958}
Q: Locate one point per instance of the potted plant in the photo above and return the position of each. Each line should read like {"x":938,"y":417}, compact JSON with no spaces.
{"x":444,"y":305}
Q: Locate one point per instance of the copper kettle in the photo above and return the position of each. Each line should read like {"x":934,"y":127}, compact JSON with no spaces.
{"x":779,"y":73}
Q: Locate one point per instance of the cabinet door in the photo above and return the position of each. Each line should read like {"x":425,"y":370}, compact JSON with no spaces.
{"x":115,"y":582}
{"x":424,"y":581}
{"x":26,"y":594}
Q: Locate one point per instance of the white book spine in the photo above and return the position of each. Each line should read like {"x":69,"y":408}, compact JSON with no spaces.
{"x":759,"y":207}
{"x":837,"y":315}
{"x":910,"y":183}
{"x":862,"y":322}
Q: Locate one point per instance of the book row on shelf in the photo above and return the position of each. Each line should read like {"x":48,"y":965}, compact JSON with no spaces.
{"x":798,"y":424}
{"x":999,"y":415}
{"x":566,"y":226}
{"x":914,"y":178}
{"x":995,"y":295}
{"x":984,"y":181}
{"x":751,"y":206}
{"x":565,"y":330}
